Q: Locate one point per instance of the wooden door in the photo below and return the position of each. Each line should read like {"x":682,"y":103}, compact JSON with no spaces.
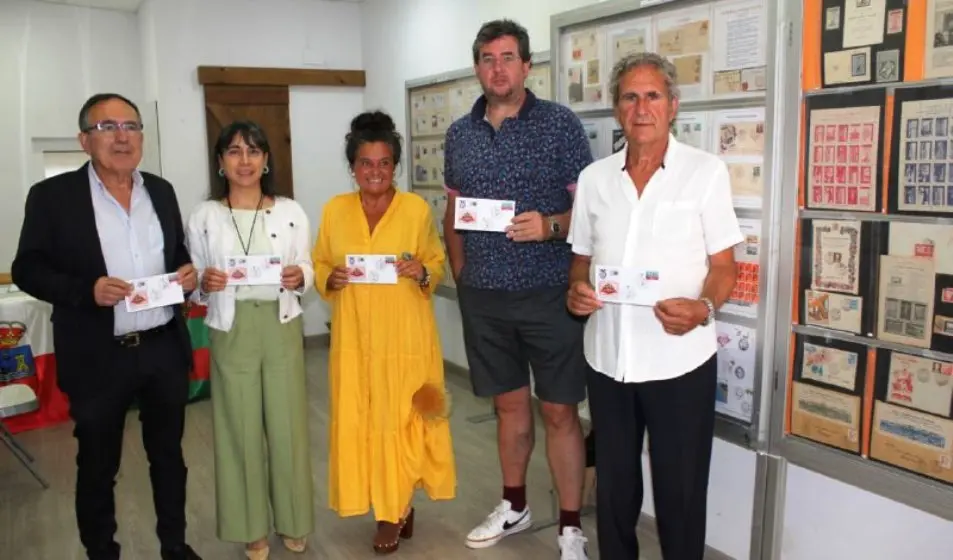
{"x":267,"y":106}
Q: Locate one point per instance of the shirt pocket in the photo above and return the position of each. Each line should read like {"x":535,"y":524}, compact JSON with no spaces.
{"x":674,"y":222}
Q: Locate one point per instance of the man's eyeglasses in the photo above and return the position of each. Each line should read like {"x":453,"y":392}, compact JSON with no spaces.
{"x":113,"y":126}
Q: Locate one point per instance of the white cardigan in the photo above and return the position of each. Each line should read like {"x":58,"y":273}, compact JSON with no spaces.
{"x":211,"y":237}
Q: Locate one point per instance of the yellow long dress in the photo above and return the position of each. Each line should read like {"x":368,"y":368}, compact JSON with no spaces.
{"x":384,"y":347}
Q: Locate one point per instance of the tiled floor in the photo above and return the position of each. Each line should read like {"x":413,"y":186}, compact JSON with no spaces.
{"x":37,"y":524}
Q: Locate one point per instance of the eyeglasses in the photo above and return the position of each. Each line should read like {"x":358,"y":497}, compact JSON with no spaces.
{"x":491,"y":61}
{"x":113,"y":126}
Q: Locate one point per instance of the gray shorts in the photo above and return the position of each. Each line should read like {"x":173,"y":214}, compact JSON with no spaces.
{"x":506,"y":333}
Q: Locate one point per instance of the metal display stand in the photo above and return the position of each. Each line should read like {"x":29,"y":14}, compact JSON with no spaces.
{"x":928,"y":494}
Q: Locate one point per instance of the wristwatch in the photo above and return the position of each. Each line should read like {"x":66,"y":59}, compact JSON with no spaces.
{"x":711,"y":311}
{"x":554,"y":227}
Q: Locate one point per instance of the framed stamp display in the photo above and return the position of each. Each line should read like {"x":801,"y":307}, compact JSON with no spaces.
{"x":828,"y":381}
{"x":836,"y":278}
{"x":843,"y":150}
{"x":862,"y":42}
{"x":922,"y":152}
{"x":911,"y":426}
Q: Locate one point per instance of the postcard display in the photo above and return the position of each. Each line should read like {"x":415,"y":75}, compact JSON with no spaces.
{"x":433,"y":103}
{"x":871,"y":346}
{"x":719,"y":50}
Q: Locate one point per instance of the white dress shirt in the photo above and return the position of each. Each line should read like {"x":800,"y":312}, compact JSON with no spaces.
{"x":684,"y":215}
{"x":212,"y":237}
{"x":133,"y":247}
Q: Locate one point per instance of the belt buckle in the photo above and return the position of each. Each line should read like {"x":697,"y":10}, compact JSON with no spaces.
{"x":131,"y":340}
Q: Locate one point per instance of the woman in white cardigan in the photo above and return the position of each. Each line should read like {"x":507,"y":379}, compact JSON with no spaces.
{"x":259,"y":400}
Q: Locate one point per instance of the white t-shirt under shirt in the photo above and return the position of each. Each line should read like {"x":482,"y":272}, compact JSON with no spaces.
{"x":250,"y":225}
{"x":684,"y":215}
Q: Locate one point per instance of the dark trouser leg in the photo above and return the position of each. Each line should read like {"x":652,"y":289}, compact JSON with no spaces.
{"x":617,"y":418}
{"x":680,"y":417}
{"x":99,"y":423}
{"x":162,"y":401}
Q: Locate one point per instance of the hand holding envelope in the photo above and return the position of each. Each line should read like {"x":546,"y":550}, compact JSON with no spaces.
{"x":582,"y":299}
{"x":292,"y":277}
{"x":187,"y":277}
{"x":528,"y":226}
{"x":410,"y":268}
{"x":213,"y":280}
{"x":680,"y":315}
{"x":337,"y":279}
{"x":109,"y":291}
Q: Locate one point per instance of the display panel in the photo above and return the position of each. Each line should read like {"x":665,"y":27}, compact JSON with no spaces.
{"x":837,"y":279}
{"x":922,"y":152}
{"x":911,"y":426}
{"x":876,"y":285}
{"x":843,"y":151}
{"x":719,"y":50}
{"x":862,"y":41}
{"x":827,"y":386}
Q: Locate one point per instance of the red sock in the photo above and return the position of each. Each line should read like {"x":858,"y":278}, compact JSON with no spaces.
{"x":516,"y":495}
{"x":569,"y":519}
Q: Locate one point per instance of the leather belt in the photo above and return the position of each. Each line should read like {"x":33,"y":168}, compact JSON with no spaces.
{"x":133,"y":339}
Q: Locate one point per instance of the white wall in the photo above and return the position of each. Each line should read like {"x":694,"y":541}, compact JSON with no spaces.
{"x":178,"y":36}
{"x":826,"y":519}
{"x":53,"y":57}
{"x":408,"y":39}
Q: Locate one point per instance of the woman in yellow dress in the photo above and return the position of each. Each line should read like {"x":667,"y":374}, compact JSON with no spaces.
{"x":389,"y":431}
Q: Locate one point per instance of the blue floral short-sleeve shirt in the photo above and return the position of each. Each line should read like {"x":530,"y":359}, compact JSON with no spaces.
{"x":534,"y":159}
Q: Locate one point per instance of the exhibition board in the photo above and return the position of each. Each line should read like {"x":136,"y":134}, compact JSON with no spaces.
{"x":720,"y":51}
{"x":866,"y":319}
{"x":433,"y":103}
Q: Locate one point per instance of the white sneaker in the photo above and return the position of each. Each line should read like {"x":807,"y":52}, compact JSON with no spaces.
{"x":501,"y":522}
{"x":573,"y":545}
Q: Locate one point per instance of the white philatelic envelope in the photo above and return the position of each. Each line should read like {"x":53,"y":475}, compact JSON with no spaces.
{"x":371,"y":269}
{"x":482,"y":214}
{"x":154,"y":291}
{"x":253,"y":270}
{"x":633,"y":286}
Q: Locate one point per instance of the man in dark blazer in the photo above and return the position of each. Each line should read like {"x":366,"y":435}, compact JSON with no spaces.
{"x":86,"y":234}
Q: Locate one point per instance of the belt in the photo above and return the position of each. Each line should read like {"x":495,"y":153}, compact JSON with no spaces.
{"x":133,"y":339}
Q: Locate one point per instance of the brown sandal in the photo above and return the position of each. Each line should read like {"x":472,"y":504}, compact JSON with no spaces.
{"x":389,"y":535}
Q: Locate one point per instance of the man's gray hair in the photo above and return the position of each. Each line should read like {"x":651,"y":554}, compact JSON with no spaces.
{"x":633,"y":61}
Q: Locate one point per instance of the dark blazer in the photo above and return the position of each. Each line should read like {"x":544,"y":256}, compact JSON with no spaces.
{"x":59,"y":259}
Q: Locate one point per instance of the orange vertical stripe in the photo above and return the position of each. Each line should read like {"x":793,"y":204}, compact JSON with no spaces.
{"x":810,"y":44}
{"x":915,"y":45}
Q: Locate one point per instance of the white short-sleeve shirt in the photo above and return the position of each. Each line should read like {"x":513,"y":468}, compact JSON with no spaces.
{"x":684,"y":215}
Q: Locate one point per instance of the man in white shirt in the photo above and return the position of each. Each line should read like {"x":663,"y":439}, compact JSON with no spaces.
{"x":659,"y":210}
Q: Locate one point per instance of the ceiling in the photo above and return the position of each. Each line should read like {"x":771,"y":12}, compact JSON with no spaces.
{"x":126,"y":5}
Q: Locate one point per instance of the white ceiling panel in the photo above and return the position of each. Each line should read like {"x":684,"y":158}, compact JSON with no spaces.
{"x":121,"y":5}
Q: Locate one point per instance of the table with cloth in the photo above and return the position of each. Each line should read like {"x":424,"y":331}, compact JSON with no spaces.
{"x":27,"y":356}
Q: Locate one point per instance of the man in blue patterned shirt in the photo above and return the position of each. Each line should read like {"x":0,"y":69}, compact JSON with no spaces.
{"x":512,"y":285}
